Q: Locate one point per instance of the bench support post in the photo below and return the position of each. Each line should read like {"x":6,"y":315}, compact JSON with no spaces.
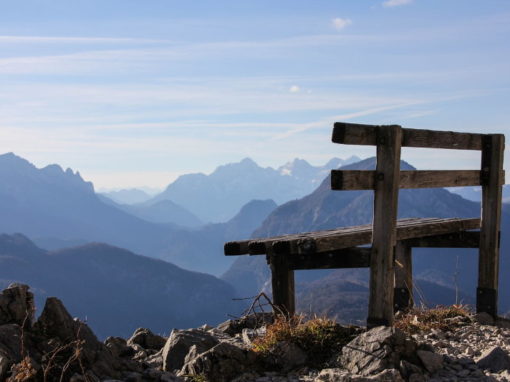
{"x":282,"y":279}
{"x":403,"y":294}
{"x":380,"y":307}
{"x":488,"y":261}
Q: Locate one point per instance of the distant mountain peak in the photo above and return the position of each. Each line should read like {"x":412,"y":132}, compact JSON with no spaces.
{"x":14,"y":161}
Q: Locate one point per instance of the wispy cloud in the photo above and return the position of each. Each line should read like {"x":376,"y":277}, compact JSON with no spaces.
{"x":396,"y":3}
{"x":340,"y":23}
{"x":75,"y":40}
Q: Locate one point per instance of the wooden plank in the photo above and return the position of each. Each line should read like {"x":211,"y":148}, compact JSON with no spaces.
{"x":403,"y":293}
{"x":463,"y":239}
{"x":346,"y":237}
{"x":439,"y":227}
{"x":352,"y":180}
{"x":282,"y":281}
{"x":343,"y":258}
{"x":361,"y":235}
{"x":439,"y":178}
{"x":365,"y":180}
{"x":358,"y":134}
{"x":380,"y":305}
{"x":488,"y":267}
{"x":235,"y":248}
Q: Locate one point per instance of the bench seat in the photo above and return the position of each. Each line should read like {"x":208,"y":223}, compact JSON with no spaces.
{"x":347,"y":237}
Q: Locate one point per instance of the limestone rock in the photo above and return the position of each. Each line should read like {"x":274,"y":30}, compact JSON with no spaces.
{"x":431,"y":361}
{"x":118,"y":346}
{"x":179,"y":344}
{"x":376,"y":350}
{"x":146,"y":339}
{"x":55,"y":321}
{"x":5,"y":365}
{"x":17,"y":305}
{"x":10,"y":342}
{"x":494,"y":359}
{"x":288,"y":356}
{"x":220,"y":363}
{"x":341,"y":375}
{"x":253,"y":321}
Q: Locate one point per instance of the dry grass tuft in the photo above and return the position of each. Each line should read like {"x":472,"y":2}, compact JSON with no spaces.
{"x":319,"y":337}
{"x":422,"y":320}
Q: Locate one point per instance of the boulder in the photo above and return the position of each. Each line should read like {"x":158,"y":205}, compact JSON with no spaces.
{"x":146,"y":339}
{"x":118,"y":347}
{"x":5,"y":365}
{"x":253,"y":321}
{"x":179,"y":344}
{"x":376,"y":350}
{"x":288,"y":356}
{"x":221,"y":363}
{"x":17,"y":305}
{"x":494,"y":359}
{"x":10,"y":342}
{"x":56,"y":322}
{"x":431,"y":361}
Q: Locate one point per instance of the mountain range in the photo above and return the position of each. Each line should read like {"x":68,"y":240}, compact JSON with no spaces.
{"x":475,"y":193}
{"x":115,"y":290}
{"x":219,"y":196}
{"x":127,"y":196}
{"x":326,"y":209}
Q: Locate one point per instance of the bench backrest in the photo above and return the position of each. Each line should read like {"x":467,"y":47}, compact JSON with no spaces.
{"x":387,"y":179}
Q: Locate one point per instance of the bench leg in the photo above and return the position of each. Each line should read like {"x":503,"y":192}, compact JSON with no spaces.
{"x":403,"y":296}
{"x":488,"y":266}
{"x":382,"y":268}
{"x":282,"y":279}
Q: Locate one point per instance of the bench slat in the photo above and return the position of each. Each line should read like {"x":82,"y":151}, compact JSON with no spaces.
{"x":366,"y":180}
{"x":330,"y":240}
{"x":359,"y":134}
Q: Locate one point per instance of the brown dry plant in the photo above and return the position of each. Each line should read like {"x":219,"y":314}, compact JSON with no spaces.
{"x":423,"y":320}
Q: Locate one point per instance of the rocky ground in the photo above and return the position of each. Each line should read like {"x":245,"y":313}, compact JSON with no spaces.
{"x":56,"y":347}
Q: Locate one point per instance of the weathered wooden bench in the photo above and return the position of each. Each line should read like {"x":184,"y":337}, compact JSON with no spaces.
{"x":390,"y":255}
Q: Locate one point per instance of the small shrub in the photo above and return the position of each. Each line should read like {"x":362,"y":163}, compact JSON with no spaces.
{"x":422,"y":320}
{"x":319,"y":337}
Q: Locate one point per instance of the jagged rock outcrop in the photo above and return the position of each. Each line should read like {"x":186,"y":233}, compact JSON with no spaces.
{"x":17,"y":305}
{"x":57,"y":346}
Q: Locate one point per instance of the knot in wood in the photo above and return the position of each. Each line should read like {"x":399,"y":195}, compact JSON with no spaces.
{"x":306,"y":245}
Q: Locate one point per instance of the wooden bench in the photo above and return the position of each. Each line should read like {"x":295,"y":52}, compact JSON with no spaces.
{"x":390,"y":255}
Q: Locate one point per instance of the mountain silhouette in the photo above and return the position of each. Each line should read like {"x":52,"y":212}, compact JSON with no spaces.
{"x":115,"y":290}
{"x":219,"y":196}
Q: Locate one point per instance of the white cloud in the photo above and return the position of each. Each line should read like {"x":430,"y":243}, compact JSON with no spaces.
{"x":340,"y":23}
{"x":294,"y":89}
{"x":396,"y":3}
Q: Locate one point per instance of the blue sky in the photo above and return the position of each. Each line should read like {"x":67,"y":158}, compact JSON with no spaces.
{"x":134,"y":93}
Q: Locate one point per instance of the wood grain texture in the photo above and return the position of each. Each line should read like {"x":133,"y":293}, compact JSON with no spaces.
{"x":462,"y":239}
{"x":366,"y":180}
{"x":335,"y":239}
{"x":282,"y":281}
{"x":488,"y":267}
{"x":403,"y":292}
{"x":380,"y":304}
{"x":343,"y":258}
{"x":358,"y":134}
